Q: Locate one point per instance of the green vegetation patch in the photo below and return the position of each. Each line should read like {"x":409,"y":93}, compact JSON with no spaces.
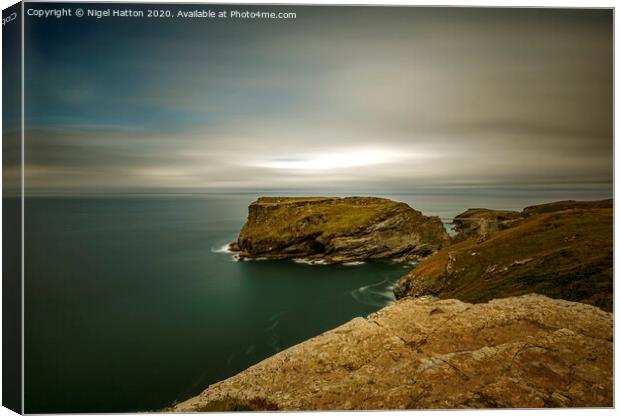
{"x":561,"y":250}
{"x":286,"y":218}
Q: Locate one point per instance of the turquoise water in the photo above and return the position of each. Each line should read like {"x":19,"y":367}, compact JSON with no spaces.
{"x":131,"y":303}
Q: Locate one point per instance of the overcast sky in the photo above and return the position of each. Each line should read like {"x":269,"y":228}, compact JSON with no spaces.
{"x":339,"y":98}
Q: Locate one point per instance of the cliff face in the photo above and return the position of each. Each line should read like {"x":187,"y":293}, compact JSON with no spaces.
{"x":481,"y":222}
{"x":422,"y":353}
{"x":338,"y":230}
{"x":562,"y":250}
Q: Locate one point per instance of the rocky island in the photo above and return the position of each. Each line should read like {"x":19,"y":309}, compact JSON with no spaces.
{"x":338,"y":230}
{"x":513,"y":312}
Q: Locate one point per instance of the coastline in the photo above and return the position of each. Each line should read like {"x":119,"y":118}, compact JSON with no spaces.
{"x":479,"y":231}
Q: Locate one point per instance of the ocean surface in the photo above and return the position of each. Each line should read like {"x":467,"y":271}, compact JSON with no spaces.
{"x":133,"y":302}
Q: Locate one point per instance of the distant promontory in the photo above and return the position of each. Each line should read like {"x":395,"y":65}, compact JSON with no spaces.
{"x":336,"y":229}
{"x":562,"y":250}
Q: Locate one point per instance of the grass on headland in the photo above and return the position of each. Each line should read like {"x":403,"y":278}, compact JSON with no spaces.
{"x":562,"y":250}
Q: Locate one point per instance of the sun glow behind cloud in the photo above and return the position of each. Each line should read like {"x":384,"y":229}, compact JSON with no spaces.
{"x":331,"y":160}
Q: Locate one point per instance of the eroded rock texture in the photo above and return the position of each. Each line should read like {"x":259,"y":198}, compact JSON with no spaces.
{"x":421,"y":353}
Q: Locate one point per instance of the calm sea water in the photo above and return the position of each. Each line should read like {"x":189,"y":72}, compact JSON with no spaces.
{"x":131,"y":303}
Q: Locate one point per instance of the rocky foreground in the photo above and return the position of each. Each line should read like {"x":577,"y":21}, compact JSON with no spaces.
{"x":335,"y":229}
{"x":424,"y":353}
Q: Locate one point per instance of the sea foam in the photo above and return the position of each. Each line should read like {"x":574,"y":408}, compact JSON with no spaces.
{"x":311,"y":262}
{"x":376,"y":294}
{"x":222,"y":249}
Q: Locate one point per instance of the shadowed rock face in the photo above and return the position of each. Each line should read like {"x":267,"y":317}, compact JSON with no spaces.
{"x":338,"y":230}
{"x":563,"y":250}
{"x":421,"y":353}
{"x":481,"y":222}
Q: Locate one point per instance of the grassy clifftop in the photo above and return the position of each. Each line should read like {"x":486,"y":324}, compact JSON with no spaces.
{"x":282,"y":218}
{"x":562,"y":250}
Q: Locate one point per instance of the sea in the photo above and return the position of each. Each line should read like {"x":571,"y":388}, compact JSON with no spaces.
{"x":133,"y":302}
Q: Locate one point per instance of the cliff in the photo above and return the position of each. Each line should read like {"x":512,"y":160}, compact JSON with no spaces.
{"x":481,"y":222}
{"x":423,"y":353}
{"x":482,"y":340}
{"x":338,"y":230}
{"x":562,"y":250}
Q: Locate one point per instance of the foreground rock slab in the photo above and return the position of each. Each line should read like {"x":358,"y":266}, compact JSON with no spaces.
{"x":338,"y":230}
{"x":421,"y":353}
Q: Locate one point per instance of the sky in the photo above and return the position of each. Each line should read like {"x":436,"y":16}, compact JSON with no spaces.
{"x":340,"y":98}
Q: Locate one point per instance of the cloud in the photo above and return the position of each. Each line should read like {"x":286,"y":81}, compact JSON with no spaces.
{"x":343,"y":97}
